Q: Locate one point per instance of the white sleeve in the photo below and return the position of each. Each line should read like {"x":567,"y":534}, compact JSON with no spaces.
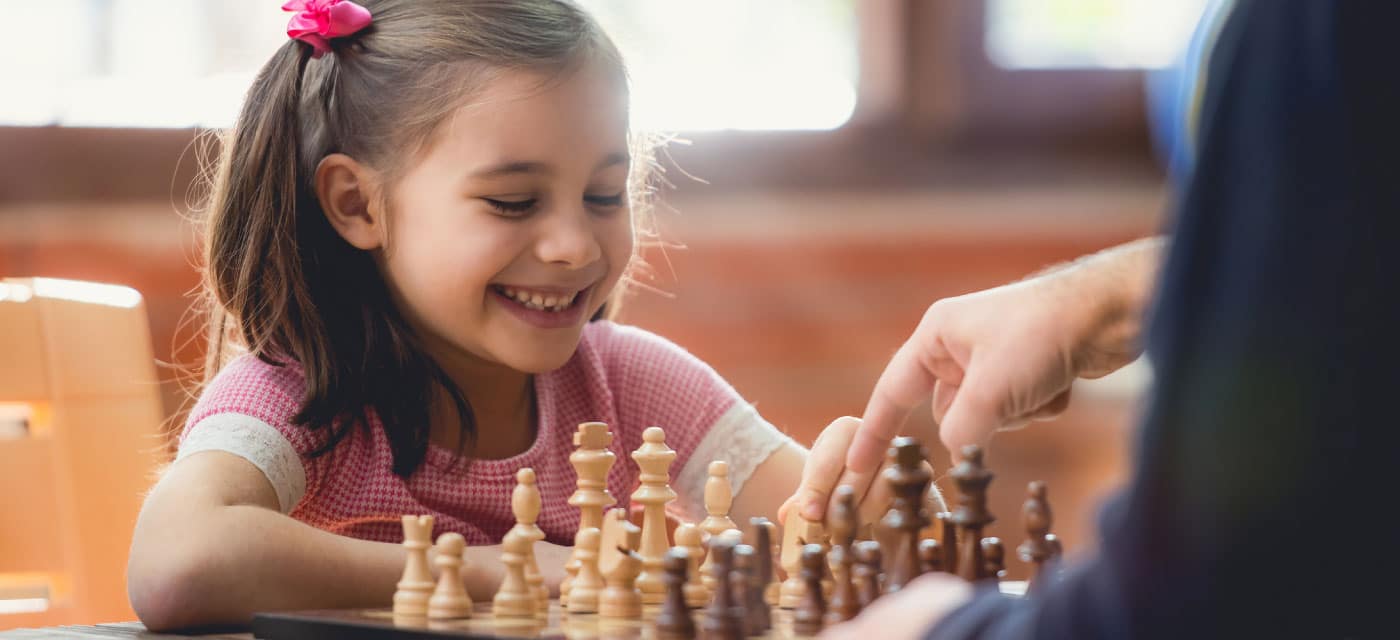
{"x":257,"y":442}
{"x":740,"y":437}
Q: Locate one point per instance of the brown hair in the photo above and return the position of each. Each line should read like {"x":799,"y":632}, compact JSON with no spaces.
{"x":280,"y":281}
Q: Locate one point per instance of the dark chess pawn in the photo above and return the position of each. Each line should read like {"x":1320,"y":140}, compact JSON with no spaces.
{"x":719,"y":622}
{"x":930,"y":555}
{"x":842,"y":522}
{"x":673,"y":622}
{"x":1035,"y":515}
{"x":808,"y":618}
{"x":763,"y":560}
{"x":995,"y":556}
{"x":866,"y":573}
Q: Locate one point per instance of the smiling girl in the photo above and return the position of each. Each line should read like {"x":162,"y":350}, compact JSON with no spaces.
{"x":415,"y":226}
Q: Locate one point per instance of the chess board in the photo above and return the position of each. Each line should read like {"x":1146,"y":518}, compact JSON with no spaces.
{"x":381,"y":624}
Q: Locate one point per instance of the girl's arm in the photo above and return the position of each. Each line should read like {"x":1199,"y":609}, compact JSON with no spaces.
{"x":772,"y":482}
{"x":211,"y":547}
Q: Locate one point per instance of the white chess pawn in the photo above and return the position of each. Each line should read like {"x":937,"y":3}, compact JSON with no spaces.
{"x":588,"y":582}
{"x":688,"y":537}
{"x":515,"y":598}
{"x":450,"y":599}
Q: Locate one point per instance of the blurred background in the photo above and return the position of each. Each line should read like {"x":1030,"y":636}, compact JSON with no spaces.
{"x":839,"y":165}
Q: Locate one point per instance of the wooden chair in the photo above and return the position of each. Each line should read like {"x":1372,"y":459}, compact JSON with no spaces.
{"x":80,"y":429}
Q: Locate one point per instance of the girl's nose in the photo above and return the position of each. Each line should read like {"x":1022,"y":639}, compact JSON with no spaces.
{"x":569,"y":239}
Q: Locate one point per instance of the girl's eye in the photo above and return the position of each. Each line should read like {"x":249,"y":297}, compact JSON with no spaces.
{"x":512,"y":207}
{"x":605,"y":201}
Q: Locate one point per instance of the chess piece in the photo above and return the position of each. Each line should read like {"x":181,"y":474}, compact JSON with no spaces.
{"x":688,"y":538}
{"x":748,"y":561}
{"x":971,"y":515}
{"x":588,"y":583}
{"x":866,"y":573}
{"x":525,"y":503}
{"x":948,"y":541}
{"x":1035,"y":515}
{"x":416,"y":585}
{"x":811,"y":611}
{"x":908,"y":479}
{"x":719,"y":622}
{"x":450,"y":599}
{"x":797,"y":532}
{"x":654,"y":459}
{"x":842,"y":522}
{"x":930,"y":555}
{"x":767,"y":531}
{"x":995,"y":556}
{"x":741,"y":568}
{"x":515,"y":598}
{"x":674,"y":621}
{"x":763,"y":558}
{"x":718,"y":498}
{"x":620,"y":565}
{"x":591,"y":461}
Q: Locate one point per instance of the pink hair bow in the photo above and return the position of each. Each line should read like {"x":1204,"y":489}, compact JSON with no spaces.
{"x":317,"y":21}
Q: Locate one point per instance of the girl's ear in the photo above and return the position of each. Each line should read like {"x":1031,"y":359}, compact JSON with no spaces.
{"x":347,"y":191}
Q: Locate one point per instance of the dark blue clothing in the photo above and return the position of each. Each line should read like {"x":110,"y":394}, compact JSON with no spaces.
{"x":1265,"y":451}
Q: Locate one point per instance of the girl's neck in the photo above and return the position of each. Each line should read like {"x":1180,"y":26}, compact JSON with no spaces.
{"x":503,"y":403}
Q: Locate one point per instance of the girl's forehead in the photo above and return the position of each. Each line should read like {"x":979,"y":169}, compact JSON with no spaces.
{"x":520,"y":113}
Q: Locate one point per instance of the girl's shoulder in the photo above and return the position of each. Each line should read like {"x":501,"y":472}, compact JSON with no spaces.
{"x":652,"y":379}
{"x":621,"y":348}
{"x":249,"y":385}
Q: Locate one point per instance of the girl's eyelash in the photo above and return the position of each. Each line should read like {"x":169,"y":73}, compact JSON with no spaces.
{"x":605,"y":201}
{"x":511,"y":207}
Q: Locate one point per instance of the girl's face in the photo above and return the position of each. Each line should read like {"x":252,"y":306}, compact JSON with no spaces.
{"x":511,"y":231}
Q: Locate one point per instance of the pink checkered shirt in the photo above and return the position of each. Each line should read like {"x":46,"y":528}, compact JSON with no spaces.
{"x":627,"y":377}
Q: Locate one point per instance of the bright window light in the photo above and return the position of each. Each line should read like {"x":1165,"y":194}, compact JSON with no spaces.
{"x":717,"y":64}
{"x":1047,"y":34}
{"x":89,"y":292}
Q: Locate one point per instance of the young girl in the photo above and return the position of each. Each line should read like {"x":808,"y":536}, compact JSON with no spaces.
{"x":415,"y":226}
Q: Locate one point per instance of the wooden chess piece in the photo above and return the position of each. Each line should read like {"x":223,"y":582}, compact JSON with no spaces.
{"x":866,"y":573}
{"x":811,"y":612}
{"x":995,"y":556}
{"x":763,"y":556}
{"x":930,"y":555}
{"x":591,"y":461}
{"x":1035,"y":515}
{"x":450,"y":599}
{"x":515,"y":598}
{"x":588,"y":582}
{"x":741,"y":570}
{"x":797,"y":532}
{"x":654,"y":459}
{"x":766,"y":530}
{"x":416,"y":585}
{"x":948,"y":541}
{"x":908,"y":479}
{"x":758,"y":616}
{"x":842,"y":522}
{"x":688,"y":537}
{"x":673,"y":622}
{"x":719,"y":497}
{"x":620,"y":565}
{"x":525,"y":503}
{"x":719,"y":623}
{"x":972,"y":515}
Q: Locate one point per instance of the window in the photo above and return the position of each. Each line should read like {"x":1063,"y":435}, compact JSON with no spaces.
{"x":718,"y":64}
{"x":1046,"y":34}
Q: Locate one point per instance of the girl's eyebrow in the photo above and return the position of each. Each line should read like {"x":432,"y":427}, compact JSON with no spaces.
{"x":517,"y":167}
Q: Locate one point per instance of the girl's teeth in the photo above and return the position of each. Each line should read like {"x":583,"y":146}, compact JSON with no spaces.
{"x":539,"y":302}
